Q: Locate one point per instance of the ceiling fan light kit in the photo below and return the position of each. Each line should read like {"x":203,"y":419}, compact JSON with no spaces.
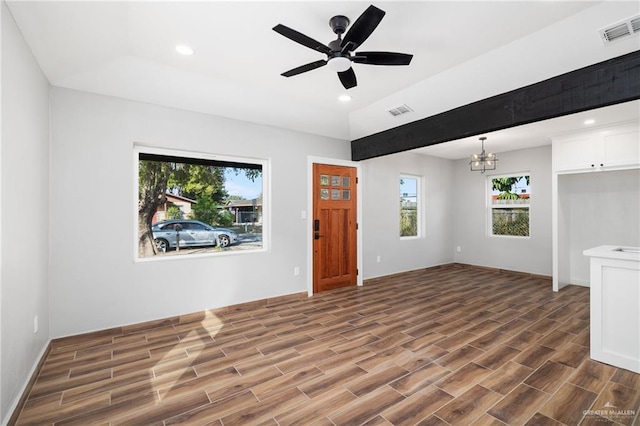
{"x":339,"y":51}
{"x":339,"y":64}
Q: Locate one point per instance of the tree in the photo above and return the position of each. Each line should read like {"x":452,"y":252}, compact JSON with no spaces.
{"x":505,"y":186}
{"x":152,"y":186}
{"x":251,"y":174}
{"x":204,"y":209}
{"x":195,"y":180}
{"x":408,"y":219}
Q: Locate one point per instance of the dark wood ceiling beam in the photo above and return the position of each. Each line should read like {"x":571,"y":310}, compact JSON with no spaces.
{"x":606,"y":83}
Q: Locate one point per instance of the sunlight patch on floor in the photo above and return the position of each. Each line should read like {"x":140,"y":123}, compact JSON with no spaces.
{"x":212,"y":325}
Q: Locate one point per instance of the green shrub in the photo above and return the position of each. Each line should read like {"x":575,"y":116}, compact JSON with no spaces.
{"x":174,"y":212}
{"x":408,"y":222}
{"x":513,"y":222}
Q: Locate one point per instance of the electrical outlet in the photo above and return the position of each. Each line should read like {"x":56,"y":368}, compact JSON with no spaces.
{"x":35,"y":324}
{"x":296,"y":271}
{"x":378,"y":259}
{"x":458,"y":249}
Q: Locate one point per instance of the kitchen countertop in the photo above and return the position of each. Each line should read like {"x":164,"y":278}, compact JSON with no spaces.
{"x":614,"y":252}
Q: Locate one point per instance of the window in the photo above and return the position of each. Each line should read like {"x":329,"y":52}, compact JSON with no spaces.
{"x":198,"y":203}
{"x":509,"y":205}
{"x":409,"y":206}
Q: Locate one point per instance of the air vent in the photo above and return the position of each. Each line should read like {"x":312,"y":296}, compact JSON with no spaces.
{"x":621,"y":30}
{"x":399,"y":110}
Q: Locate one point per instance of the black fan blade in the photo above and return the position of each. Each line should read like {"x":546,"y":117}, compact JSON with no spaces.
{"x":363,"y":27}
{"x":305,"y":68}
{"x":348,"y":78}
{"x":301,"y":38}
{"x":382,"y":58}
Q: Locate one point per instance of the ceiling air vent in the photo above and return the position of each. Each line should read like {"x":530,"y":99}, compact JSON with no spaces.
{"x":622,"y":29}
{"x":399,"y":110}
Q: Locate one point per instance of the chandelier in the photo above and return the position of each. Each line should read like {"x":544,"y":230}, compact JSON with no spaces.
{"x":483,"y":161}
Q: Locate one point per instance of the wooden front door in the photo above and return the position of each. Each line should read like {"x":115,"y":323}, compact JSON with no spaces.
{"x":334,"y":227}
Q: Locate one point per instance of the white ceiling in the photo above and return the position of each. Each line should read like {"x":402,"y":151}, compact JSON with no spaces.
{"x":127,"y":49}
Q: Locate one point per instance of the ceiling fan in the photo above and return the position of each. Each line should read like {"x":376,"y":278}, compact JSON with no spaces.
{"x":339,"y":51}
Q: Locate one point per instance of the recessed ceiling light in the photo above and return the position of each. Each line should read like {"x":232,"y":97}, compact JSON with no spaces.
{"x":183,"y":49}
{"x":344,"y":98}
{"x":589,"y":122}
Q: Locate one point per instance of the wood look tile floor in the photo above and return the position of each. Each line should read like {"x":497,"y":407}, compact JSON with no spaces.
{"x":452,"y":345}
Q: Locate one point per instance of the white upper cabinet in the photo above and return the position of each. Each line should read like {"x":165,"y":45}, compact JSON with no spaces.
{"x":611,"y":148}
{"x":620,"y":149}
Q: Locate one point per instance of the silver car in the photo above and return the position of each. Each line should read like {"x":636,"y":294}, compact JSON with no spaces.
{"x":190,"y":233}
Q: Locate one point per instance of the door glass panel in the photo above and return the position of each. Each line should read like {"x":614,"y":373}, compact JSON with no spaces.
{"x":335,"y":180}
{"x":346,"y":194}
{"x":335,"y":194}
{"x":346,"y":181}
{"x":324,"y":194}
{"x":324,"y":180}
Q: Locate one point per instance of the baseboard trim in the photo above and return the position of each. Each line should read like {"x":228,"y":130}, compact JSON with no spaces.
{"x":409,"y":271}
{"x":506,"y":271}
{"x":67,"y":342}
{"x":444,"y":266}
{"x":19,"y":404}
{"x":61,"y":342}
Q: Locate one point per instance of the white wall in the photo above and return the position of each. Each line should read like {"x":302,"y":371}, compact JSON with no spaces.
{"x":532,"y":255}
{"x":381,"y":210}
{"x":95,"y":283}
{"x":596,"y":209}
{"x":24,"y":172}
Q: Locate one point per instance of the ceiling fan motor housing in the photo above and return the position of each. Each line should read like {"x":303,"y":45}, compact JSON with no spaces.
{"x":336,"y":48}
{"x":339,"y":24}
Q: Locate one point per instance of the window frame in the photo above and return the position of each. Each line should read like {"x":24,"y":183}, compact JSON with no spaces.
{"x":491,"y":206}
{"x":265,"y":164}
{"x":419,"y":207}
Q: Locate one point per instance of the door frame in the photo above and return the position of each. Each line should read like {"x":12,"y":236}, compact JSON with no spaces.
{"x":311,"y":160}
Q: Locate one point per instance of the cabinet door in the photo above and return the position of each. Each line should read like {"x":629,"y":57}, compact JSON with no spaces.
{"x":620,"y":150}
{"x":575,"y":154}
